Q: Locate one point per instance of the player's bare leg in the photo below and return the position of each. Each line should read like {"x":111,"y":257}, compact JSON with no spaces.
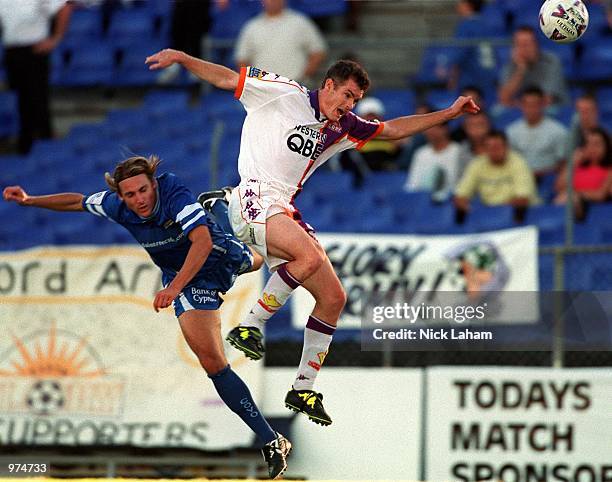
{"x":202,"y":331}
{"x":285,"y":239}
{"x":330,"y":298}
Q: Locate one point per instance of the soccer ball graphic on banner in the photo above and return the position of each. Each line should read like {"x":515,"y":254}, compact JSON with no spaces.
{"x":564,"y":21}
{"x":46,"y":397}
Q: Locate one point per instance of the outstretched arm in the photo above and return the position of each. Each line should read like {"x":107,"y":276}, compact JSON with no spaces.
{"x":68,"y":201}
{"x":401,"y":127}
{"x":201,"y":246}
{"x":215,"y":74}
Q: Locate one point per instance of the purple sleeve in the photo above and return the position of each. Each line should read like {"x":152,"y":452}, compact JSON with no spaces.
{"x":361,"y":131}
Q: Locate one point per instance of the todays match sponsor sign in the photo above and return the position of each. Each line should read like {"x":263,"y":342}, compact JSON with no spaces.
{"x":85,"y":360}
{"x":518,"y":425}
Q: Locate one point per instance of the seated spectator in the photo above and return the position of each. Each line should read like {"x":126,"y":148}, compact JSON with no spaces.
{"x":529,"y":66}
{"x":592,"y":173}
{"x":476,"y":129}
{"x":376,"y":155}
{"x":413,"y":143}
{"x":542,"y":141}
{"x":500,"y":176}
{"x":379,"y":155}
{"x":435,"y":166}
{"x":585,"y":119}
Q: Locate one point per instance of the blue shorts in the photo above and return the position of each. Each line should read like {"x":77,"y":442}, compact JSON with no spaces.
{"x":204,"y":291}
{"x":196,"y":296}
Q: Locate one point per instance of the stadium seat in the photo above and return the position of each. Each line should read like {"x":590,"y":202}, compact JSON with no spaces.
{"x":489,"y":218}
{"x":165,"y":103}
{"x":397,"y":102}
{"x":566,"y":53}
{"x":595,"y":64}
{"x":227,"y":22}
{"x":131,"y":69}
{"x":91,"y":64}
{"x":85,"y":24}
{"x":9,"y":117}
{"x":320,"y":8}
{"x":506,"y":117}
{"x":440,"y":99}
{"x":546,"y":264}
{"x":546,"y":187}
{"x":129,"y":26}
{"x":436,"y":65}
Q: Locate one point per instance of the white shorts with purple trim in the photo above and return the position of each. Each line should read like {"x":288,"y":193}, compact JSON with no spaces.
{"x":251,"y":204}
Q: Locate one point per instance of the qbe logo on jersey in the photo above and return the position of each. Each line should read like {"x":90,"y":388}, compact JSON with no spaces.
{"x":307,"y":142}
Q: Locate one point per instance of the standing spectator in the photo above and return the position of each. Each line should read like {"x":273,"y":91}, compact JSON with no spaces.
{"x":585,"y":119}
{"x":190,"y":22}
{"x":531,"y":66}
{"x":542,"y":141}
{"x":592,"y":172}
{"x":476,"y":131}
{"x":500,"y":176}
{"x":435,"y":166}
{"x":28,"y":40}
{"x":281,"y":40}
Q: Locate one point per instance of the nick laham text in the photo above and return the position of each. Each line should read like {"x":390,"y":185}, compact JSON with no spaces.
{"x":424,"y":334}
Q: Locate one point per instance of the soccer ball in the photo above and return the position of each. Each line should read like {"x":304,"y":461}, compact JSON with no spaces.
{"x":45,"y":397}
{"x":564,"y":21}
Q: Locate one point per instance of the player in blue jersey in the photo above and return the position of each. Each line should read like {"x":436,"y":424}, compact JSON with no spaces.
{"x":198,"y":260}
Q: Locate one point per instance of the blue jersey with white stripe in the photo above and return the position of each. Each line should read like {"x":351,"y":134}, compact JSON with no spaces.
{"x":164,"y":234}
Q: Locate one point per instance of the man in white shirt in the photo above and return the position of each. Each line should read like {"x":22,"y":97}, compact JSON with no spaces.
{"x":435,"y":166}
{"x":27,"y":43}
{"x":281,"y":40}
{"x":289,"y":131}
{"x":542,"y":141}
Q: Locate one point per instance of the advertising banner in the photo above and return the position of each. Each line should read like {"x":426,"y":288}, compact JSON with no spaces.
{"x":85,"y":360}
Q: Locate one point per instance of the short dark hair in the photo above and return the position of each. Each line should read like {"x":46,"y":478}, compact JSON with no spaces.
{"x":526,"y":29}
{"x":532,"y":90}
{"x":473,"y":88}
{"x":344,"y":70}
{"x":497,"y":134}
{"x":131,"y":167}
{"x":475,"y":5}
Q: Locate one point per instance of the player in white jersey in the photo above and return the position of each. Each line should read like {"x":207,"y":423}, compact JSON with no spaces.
{"x":289,"y":132}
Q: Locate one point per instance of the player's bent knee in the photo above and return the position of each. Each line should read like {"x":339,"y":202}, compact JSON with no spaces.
{"x":212,"y":362}
{"x":337,"y":300}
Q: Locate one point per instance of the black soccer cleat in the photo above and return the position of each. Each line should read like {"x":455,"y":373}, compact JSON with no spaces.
{"x":308,"y":402}
{"x":247,"y":339}
{"x":208,"y":198}
{"x":275,"y":453}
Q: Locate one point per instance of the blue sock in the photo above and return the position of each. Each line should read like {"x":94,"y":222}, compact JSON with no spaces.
{"x":219,"y":211}
{"x":236,"y":395}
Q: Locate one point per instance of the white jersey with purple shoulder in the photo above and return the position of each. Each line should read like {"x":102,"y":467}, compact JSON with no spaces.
{"x":285,"y":137}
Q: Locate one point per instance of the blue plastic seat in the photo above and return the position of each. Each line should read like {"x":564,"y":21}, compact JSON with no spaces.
{"x":440,"y":98}
{"x":489,"y":218}
{"x":9,"y":117}
{"x":91,"y":64}
{"x":506,"y":117}
{"x":595,"y":63}
{"x":131,"y":25}
{"x":397,"y":102}
{"x":85,"y":24}
{"x":436,"y":65}
{"x":131,"y":69}
{"x":320,"y":8}
{"x":161,"y":103}
{"x":227,"y":22}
